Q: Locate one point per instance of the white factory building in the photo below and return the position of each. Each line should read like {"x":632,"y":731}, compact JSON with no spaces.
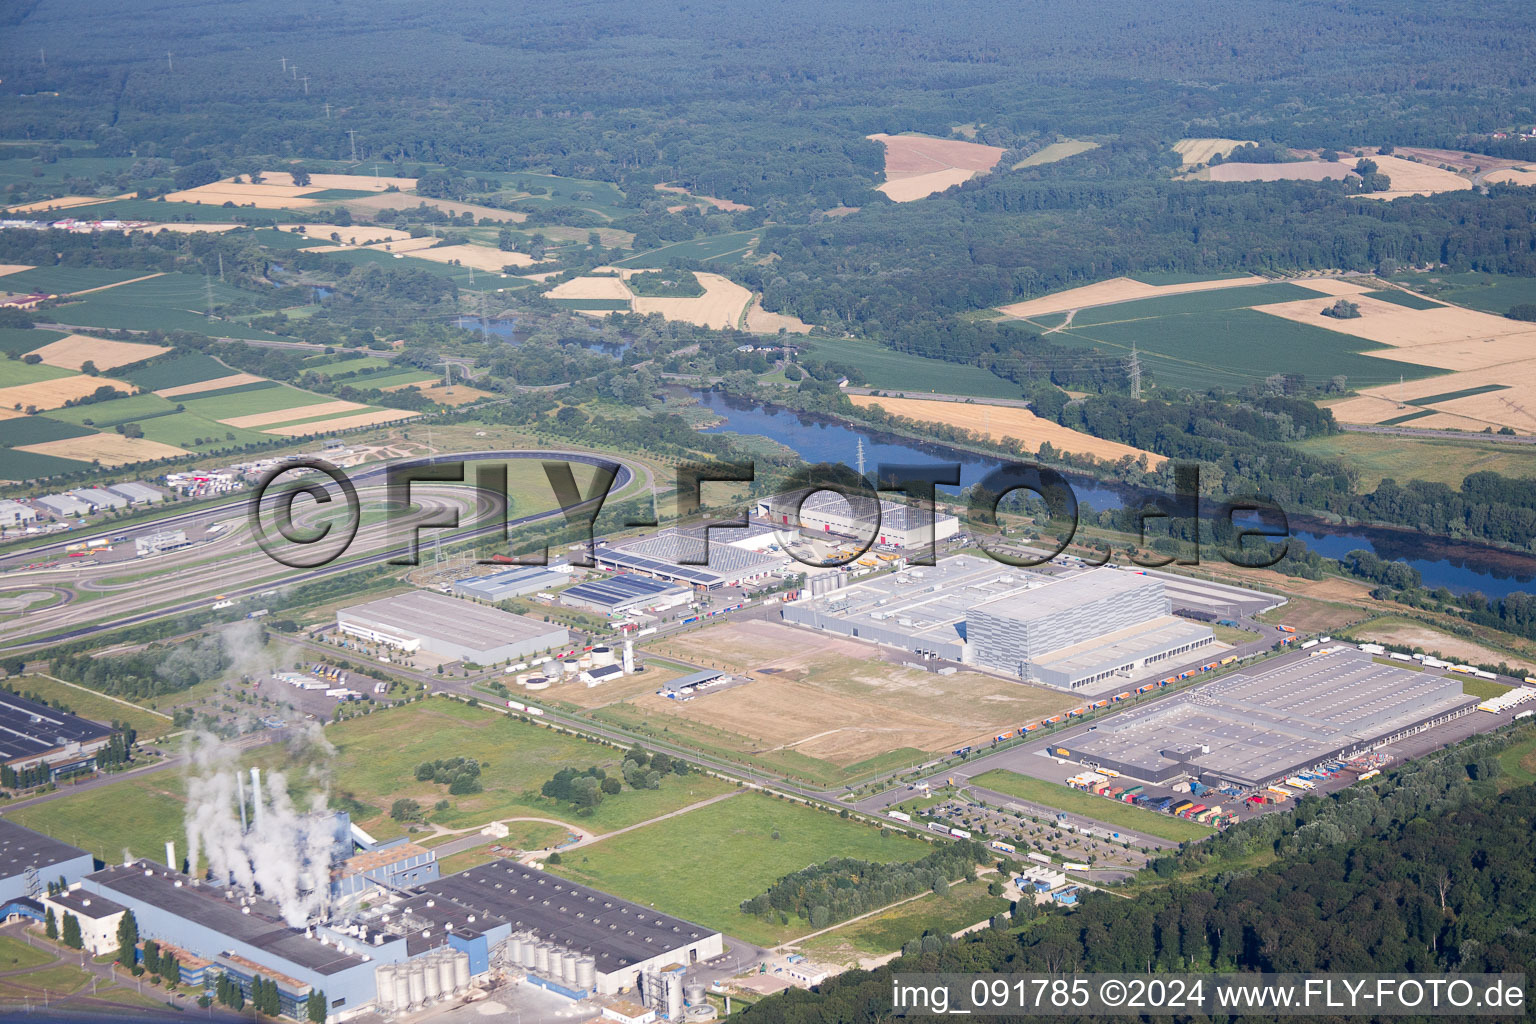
{"x":450,"y":628}
{"x":827,"y":512}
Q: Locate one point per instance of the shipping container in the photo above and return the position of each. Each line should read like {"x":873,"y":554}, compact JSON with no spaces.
{"x":1042,"y":858}
{"x":934,"y":826}
{"x":899,"y":815}
{"x":959,"y":833}
{"x":1308,"y":643}
{"x":1001,"y":846}
{"x":1287,"y":629}
{"x":1181,"y":807}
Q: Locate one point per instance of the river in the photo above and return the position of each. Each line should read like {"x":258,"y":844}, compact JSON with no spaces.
{"x":1459,"y":566}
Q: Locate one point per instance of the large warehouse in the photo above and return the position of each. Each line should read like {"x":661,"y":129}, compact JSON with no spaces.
{"x":509,"y":583}
{"x":450,"y":628}
{"x":1256,"y":727}
{"x":33,"y":734}
{"x":626,"y":594}
{"x":622,"y":940}
{"x":30,"y":860}
{"x":1090,"y":633}
{"x":736,"y":558}
{"x":900,"y":526}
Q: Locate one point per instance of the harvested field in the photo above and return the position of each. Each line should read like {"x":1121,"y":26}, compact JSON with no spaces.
{"x":1435,"y":642}
{"x":303,"y":412}
{"x":1433,"y":336}
{"x":364,"y":234}
{"x":760,"y":321}
{"x":1116,"y":289}
{"x":1297,"y":170}
{"x":357,"y":182}
{"x":720,"y":306}
{"x":74,"y":351}
{"x":460,"y":394}
{"x":1456,"y":159}
{"x":1511,"y":389}
{"x":719,"y":204}
{"x":591,"y":288}
{"x":190,"y":229}
{"x":1512,"y":176}
{"x":216,"y":384}
{"x":1415,"y":179}
{"x":1055,"y":152}
{"x":367,"y":419}
{"x":406,"y":245}
{"x":1334,"y":285}
{"x":1000,"y":421}
{"x":832,"y":699}
{"x":52,"y":394}
{"x":371,"y":205}
{"x":478,"y":256}
{"x":106,"y":449}
{"x":1200,"y":151}
{"x":61,"y":203}
{"x":919,"y":165}
{"x":11,"y":268}
{"x":263,"y":197}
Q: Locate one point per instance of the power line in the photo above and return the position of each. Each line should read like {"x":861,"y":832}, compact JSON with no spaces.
{"x":1135,"y":373}
{"x":352,"y":137}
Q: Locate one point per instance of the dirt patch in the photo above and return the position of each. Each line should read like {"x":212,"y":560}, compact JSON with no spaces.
{"x":1444,"y":645}
{"x":234,"y":380}
{"x":74,"y":351}
{"x":366,"y":419}
{"x":1004,"y":421}
{"x":302,"y":412}
{"x":919,"y":165}
{"x":719,"y":204}
{"x":52,"y":394}
{"x":107,"y":449}
{"x":1297,"y":170}
{"x":461,"y":394}
{"x":1459,"y":160}
{"x":478,"y":256}
{"x":1116,"y":289}
{"x":591,"y":288}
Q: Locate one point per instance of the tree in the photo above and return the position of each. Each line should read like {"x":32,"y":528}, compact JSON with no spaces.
{"x":300,"y":175}
{"x":315,"y":1007}
{"x":405,"y":809}
{"x":51,"y":925}
{"x":1524,"y":311}
{"x":152,"y":956}
{"x":72,"y":931}
{"x":1343,"y":310}
{"x":127,"y":939}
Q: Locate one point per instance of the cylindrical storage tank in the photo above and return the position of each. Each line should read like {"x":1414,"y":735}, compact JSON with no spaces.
{"x":584,"y":662}
{"x":674,"y":985}
{"x":530,"y":952}
{"x":432,"y":981}
{"x":402,"y":988}
{"x":515,"y":949}
{"x":571,"y":962}
{"x":693,"y":993}
{"x":538,"y":683}
{"x":586,"y":973}
{"x":445,"y":974}
{"x":647,"y":983}
{"x":384,"y":985}
{"x":601,"y":657}
{"x":418,"y":976}
{"x":541,"y":959}
{"x":461,"y":972}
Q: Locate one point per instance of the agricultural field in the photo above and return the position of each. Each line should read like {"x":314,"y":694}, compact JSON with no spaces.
{"x":167,"y":302}
{"x":15,"y":373}
{"x":1000,"y":421}
{"x":1376,"y":457}
{"x":1116,"y":290}
{"x":180,"y":372}
{"x":1111,"y":812}
{"x":66,"y":280}
{"x":1491,"y":293}
{"x":728,"y":852}
{"x":1055,"y":152}
{"x":22,"y":340}
{"x":727,"y":248}
{"x":823,"y":707}
{"x":74,"y":351}
{"x":917,"y":166}
{"x":722,"y":304}
{"x":887,"y":369}
{"x":1200,"y":151}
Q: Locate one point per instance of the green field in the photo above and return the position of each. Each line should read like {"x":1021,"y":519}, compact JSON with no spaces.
{"x":1056,"y":151}
{"x":237,"y":389}
{"x":95,"y":706}
{"x":1492,"y":293}
{"x":960,"y":907}
{"x":22,"y":430}
{"x":22,"y":340}
{"x":184,"y":429}
{"x":1482,"y":689}
{"x":890,"y":370}
{"x":1377,"y":456}
{"x":193,"y":368}
{"x":1111,"y":812}
{"x":15,"y":465}
{"x":724,"y":248}
{"x":59,"y":980}
{"x":1447,"y":396}
{"x":1231,"y":348}
{"x":1190,"y":303}
{"x":14,"y":372}
{"x":1398,"y":297}
{"x":63,"y":280}
{"x":600,"y":305}
{"x":703,"y":864}
{"x":171,"y":302}
{"x":18,"y":955}
{"x":202,"y":213}
{"x":138,"y":814}
{"x":1519,"y":762}
{"x":389,"y":380}
{"x":228,"y":403}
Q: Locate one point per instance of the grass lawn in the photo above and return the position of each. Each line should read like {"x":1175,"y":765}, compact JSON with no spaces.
{"x":377,"y":755}
{"x":138,"y":814}
{"x":1376,"y":456}
{"x":1483,"y":689}
{"x":1228,"y":635}
{"x":718,"y":856}
{"x":1111,"y":812}
{"x":887,"y":369}
{"x":959,"y":907}
{"x":1519,"y":762}
{"x":93,"y":705}
{"x":58,"y":980}
{"x":16,"y":954}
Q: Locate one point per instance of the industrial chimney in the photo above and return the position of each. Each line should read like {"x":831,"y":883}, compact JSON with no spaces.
{"x":256,"y":798}
{"x":170,"y":855}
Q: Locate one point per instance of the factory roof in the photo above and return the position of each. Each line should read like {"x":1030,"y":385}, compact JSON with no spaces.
{"x":98,"y":497}
{"x":831,"y":503}
{"x":428,"y":919}
{"x":1124,"y":645}
{"x":210,"y":907}
{"x":133,"y":490}
{"x":371,"y":859}
{"x":693,"y":679}
{"x":29,"y":728}
{"x":1068,"y":594}
{"x":687,"y":549}
{"x":621,"y":589}
{"x":86,"y":904}
{"x":613,"y":931}
{"x":437,"y":616}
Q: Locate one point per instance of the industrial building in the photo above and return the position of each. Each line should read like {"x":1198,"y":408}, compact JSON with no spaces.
{"x":14,"y":514}
{"x":137,"y":493}
{"x":449,"y":628}
{"x":574,"y":938}
{"x":899,"y":526}
{"x":156,"y":543}
{"x":30,"y":860}
{"x":98,"y":499}
{"x":1089,"y":633}
{"x":33,"y":735}
{"x":724,"y":557}
{"x":509,"y":583}
{"x":393,"y":865}
{"x":1254,"y":728}
{"x":62,"y":506}
{"x":626,"y":594}
{"x":98,"y":917}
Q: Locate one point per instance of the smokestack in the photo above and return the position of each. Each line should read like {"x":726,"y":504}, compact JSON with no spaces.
{"x":192,"y":862}
{"x":256,"y":798}
{"x":629,"y":657}
{"x":170,"y":855}
{"x":240,"y":799}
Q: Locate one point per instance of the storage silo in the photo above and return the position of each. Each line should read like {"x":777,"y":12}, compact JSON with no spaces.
{"x":461,"y":972}
{"x":418,"y":987}
{"x":586,"y":973}
{"x":445,"y":974}
{"x":402,"y":988}
{"x":693,"y":993}
{"x":529,"y":946}
{"x":568,"y":968}
{"x":602,"y":657}
{"x":384,"y":985}
{"x":541,"y":959}
{"x":515,"y":949}
{"x":648,"y":983}
{"x":674,"y":1004}
{"x":431,"y":980}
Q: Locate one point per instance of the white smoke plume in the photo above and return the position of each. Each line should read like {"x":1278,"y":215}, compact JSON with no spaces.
{"x":288,"y":859}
